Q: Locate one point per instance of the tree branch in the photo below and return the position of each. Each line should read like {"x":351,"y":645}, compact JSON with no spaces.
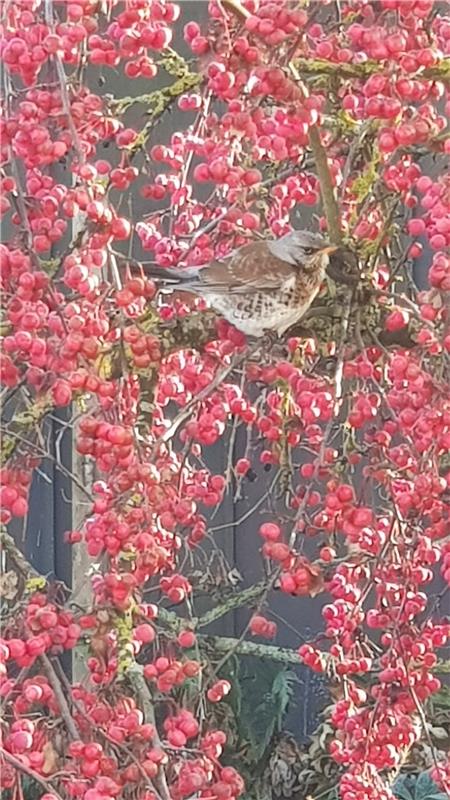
{"x":330,"y":206}
{"x":24,"y":421}
{"x":17,"y":557}
{"x":59,"y":694}
{"x":236,"y":9}
{"x":233,"y":602}
{"x":21,"y":767}
{"x":135,"y":676}
{"x":327,"y":192}
{"x":317,"y":67}
{"x":224,"y":644}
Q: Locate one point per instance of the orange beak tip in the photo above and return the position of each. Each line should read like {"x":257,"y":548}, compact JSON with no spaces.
{"x":330,"y":249}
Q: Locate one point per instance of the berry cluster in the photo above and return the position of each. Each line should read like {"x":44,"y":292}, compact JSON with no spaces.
{"x":353,"y":430}
{"x":168,"y":674}
{"x":44,"y":629}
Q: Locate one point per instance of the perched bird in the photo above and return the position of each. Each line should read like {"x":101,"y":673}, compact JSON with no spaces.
{"x":265,"y":286}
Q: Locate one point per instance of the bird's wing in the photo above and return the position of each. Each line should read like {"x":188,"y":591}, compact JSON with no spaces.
{"x":252,"y":268}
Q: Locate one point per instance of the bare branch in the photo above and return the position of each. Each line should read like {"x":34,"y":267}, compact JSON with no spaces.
{"x":21,"y":767}
{"x":72,"y":729}
{"x":136,"y":677}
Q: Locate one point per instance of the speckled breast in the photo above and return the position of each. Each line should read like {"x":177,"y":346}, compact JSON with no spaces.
{"x":260,"y":312}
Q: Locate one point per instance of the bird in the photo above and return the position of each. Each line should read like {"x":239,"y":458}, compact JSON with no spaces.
{"x":263,"y":287}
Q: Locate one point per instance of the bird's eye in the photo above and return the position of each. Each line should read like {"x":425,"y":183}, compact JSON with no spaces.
{"x":308,"y":251}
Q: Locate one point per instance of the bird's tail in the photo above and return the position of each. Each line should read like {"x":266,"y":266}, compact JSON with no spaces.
{"x":172,"y":276}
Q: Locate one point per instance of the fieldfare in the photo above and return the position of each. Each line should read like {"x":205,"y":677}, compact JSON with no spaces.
{"x":265,"y":286}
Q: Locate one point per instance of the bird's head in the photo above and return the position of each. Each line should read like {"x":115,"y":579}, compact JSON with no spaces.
{"x":302,"y":248}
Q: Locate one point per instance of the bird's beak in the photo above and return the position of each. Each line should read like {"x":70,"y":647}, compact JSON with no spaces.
{"x":331,"y":249}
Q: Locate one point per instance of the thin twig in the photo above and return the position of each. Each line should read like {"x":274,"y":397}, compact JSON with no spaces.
{"x":62,"y":81}
{"x":237,"y":9}
{"x":46,"y":455}
{"x":59,"y":694}
{"x":118,"y":745}
{"x":338,"y":394}
{"x":227,"y":525}
{"x":21,"y":767}
{"x":202,"y":395}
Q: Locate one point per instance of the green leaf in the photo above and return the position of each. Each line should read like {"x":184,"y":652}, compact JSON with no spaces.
{"x":438,"y":796}
{"x":423,"y":788}
{"x":283,"y":689}
{"x":265,"y":693}
{"x":426,"y":788}
{"x":400,"y":789}
{"x":442,"y":697}
{"x":36,"y":584}
{"x":233,"y":675}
